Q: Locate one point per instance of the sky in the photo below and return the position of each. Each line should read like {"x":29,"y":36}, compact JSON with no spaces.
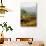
{"x":28,"y":4}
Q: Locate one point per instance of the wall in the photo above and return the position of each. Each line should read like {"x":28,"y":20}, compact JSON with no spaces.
{"x":13,"y":19}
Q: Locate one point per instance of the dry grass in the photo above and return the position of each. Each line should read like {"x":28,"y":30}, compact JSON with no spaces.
{"x":30,"y":21}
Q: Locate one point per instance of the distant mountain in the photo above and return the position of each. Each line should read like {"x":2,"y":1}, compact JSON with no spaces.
{"x":30,"y":10}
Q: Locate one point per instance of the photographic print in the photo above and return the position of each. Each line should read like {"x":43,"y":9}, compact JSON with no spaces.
{"x":29,"y":14}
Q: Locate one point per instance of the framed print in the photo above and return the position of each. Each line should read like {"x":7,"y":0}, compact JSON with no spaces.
{"x":28,"y":14}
